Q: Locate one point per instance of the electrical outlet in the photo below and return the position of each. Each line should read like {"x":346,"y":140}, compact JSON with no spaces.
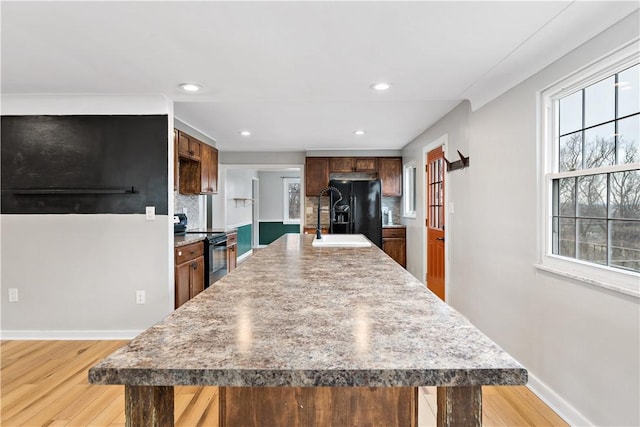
{"x":140,"y":297}
{"x":151,"y":213}
{"x":13,"y":294}
{"x":184,"y":211}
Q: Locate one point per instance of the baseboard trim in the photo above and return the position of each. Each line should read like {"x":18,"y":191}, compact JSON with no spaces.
{"x":69,"y":335}
{"x":245,"y":255}
{"x":561,"y":407}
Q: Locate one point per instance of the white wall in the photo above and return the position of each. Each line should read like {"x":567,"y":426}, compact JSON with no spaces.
{"x":238,"y":185}
{"x":77,"y":274}
{"x":580,"y":343}
{"x":272,"y":194}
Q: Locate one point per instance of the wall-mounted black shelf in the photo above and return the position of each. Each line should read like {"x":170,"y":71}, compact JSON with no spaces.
{"x":71,"y":191}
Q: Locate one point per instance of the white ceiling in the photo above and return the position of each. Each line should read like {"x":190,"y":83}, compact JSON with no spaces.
{"x":297,"y":74}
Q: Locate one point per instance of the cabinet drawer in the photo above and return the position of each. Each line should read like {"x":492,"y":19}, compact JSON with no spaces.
{"x":189,"y":252}
{"x":394,"y":232}
{"x":232,"y":239}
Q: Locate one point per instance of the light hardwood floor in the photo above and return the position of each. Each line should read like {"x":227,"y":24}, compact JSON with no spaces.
{"x":44,"y":383}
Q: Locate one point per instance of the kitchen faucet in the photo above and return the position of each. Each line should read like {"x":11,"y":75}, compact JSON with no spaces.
{"x":331,"y":208}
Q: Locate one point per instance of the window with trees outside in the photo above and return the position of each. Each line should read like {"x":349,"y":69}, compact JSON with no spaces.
{"x":593,"y":185}
{"x":291,"y":196}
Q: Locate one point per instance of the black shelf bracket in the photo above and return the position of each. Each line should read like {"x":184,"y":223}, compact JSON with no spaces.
{"x":458,"y":164}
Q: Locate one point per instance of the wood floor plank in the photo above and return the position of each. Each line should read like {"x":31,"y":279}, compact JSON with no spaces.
{"x":44,"y":383}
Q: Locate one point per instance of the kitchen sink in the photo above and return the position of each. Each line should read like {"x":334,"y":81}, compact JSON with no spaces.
{"x":341,"y":241}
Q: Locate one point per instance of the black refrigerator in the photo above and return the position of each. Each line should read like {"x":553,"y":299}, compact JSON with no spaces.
{"x":359,"y":211}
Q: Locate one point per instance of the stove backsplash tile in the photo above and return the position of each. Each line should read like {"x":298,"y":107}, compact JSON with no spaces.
{"x":192,"y":203}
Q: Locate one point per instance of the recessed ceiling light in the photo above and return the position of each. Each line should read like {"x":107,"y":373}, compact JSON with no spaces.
{"x":190,"y":87}
{"x":359,"y":132}
{"x":244,"y":133}
{"x":380,"y":86}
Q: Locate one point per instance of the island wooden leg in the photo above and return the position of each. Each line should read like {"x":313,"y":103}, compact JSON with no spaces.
{"x":459,"y":406}
{"x":146,"y":406}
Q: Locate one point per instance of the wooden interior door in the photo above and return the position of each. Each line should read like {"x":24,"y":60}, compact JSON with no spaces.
{"x":435,"y":220}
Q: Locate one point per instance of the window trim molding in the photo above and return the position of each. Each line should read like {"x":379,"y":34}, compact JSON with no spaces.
{"x":624,"y":282}
{"x":406,"y":213}
{"x":285,"y":200}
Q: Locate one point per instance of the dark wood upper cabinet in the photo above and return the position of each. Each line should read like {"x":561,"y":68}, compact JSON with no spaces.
{"x":365,"y":164}
{"x":175,"y":159}
{"x":188,"y":146}
{"x":388,"y":169}
{"x":341,"y":164}
{"x":390,"y":173}
{"x":353,"y":164}
{"x":316,"y":175}
{"x":198,"y":166}
{"x":208,"y":169}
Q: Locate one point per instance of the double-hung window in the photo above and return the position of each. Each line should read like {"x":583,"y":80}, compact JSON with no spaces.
{"x":591,"y":154}
{"x":291,"y":197}
{"x":409,"y":192}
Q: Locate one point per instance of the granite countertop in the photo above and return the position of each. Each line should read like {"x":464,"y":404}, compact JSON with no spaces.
{"x":187,"y":239}
{"x":295,"y":315}
{"x":197,"y":235}
{"x":394,"y":226}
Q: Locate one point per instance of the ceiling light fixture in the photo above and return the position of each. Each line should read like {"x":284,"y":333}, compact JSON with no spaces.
{"x":380,"y":86}
{"x":245,"y":133}
{"x":359,"y":132}
{"x":190,"y":87}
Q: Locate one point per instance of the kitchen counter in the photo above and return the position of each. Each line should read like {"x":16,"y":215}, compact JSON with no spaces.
{"x":297,"y":316}
{"x":394,"y":226}
{"x":197,"y":235}
{"x":187,"y":239}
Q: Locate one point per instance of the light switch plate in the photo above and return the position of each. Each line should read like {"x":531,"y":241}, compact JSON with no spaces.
{"x":151,"y":213}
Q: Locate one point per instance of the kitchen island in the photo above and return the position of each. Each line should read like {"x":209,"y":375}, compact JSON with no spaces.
{"x":299,"y":335}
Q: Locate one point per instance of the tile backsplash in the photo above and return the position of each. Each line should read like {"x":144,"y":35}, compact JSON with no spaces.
{"x":394,"y":204}
{"x":192,"y":203}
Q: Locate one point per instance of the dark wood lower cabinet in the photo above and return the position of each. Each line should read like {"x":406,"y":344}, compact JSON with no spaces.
{"x":394,"y":244}
{"x":189,"y":272}
{"x":318,"y":406}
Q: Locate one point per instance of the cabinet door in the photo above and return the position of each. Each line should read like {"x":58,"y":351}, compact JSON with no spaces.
{"x":175,"y":159}
{"x":232,"y":258}
{"x":205,"y":168}
{"x":341,"y":164}
{"x":396,"y":249}
{"x":213,"y":172}
{"x":197,"y":276}
{"x":316,"y":175}
{"x":390,"y":173}
{"x":183,"y":144}
{"x":366,"y":164}
{"x":183,"y":283}
{"x":188,"y":146}
{"x":194,"y":148}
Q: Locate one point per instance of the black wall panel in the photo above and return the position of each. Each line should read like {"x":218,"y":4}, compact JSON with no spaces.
{"x":84,"y":164}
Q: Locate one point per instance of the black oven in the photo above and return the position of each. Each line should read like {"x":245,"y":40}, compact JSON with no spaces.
{"x":215,"y":258}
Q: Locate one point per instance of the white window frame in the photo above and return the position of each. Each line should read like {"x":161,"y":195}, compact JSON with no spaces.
{"x":409,"y":183}
{"x":625,"y":282}
{"x":285,"y":199}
